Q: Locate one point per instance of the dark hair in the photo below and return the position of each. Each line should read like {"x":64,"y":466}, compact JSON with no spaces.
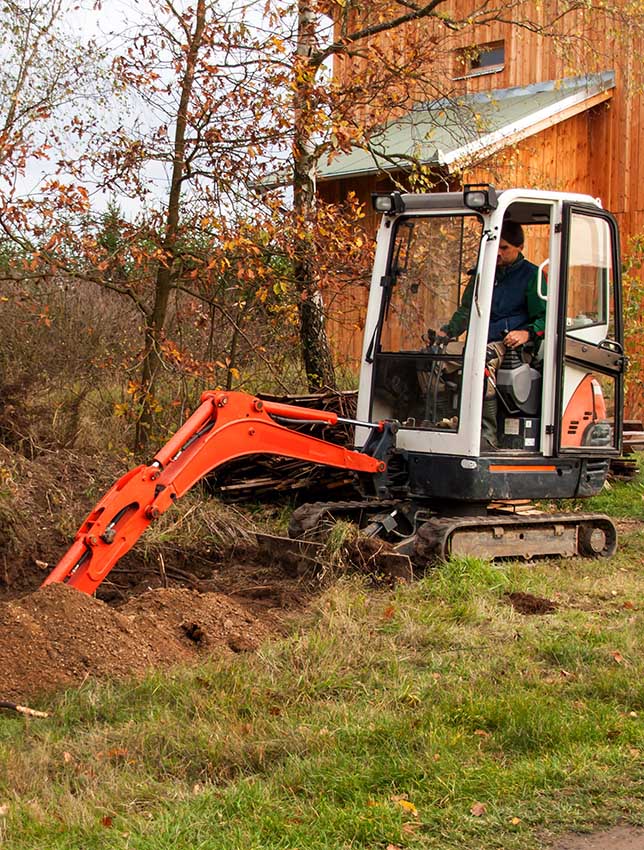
{"x":512,"y":232}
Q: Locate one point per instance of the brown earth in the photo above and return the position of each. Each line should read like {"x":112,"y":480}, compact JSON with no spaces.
{"x":165,"y":603}
{"x":618,"y":838}
{"x":528,"y":603}
{"x":57,"y":637}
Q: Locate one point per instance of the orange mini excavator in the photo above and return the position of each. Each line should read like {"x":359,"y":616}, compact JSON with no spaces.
{"x":426,"y":480}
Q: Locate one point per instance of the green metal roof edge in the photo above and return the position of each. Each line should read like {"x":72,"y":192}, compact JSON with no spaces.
{"x":500,"y":113}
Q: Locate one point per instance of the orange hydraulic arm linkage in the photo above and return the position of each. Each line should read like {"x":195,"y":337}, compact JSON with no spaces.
{"x":225,"y":426}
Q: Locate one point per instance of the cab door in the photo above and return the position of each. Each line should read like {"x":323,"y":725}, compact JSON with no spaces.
{"x":590,"y":352}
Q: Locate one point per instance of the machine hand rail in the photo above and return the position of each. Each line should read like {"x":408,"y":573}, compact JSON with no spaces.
{"x":540,"y":292}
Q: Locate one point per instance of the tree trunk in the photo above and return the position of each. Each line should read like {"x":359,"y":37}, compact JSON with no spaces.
{"x":156,"y":318}
{"x":316,"y":352}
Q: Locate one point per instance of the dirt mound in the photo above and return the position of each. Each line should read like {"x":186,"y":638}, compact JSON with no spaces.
{"x":528,"y":603}
{"x":58,"y":637}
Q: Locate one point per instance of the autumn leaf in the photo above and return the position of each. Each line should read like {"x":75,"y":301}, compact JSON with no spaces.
{"x":405,"y":804}
{"x":388,"y":613}
{"x":478,"y":809}
{"x":618,"y":657}
{"x":106,"y":821}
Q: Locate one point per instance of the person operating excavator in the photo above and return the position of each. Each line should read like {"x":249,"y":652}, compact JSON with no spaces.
{"x":517,"y":315}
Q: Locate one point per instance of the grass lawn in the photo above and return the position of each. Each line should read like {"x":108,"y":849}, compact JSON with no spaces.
{"x":429,"y":716}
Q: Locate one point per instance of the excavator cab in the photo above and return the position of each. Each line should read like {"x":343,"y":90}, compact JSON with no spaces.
{"x":555,"y":406}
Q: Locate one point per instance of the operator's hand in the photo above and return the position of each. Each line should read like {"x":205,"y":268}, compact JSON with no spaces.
{"x":443,"y":336}
{"x":515,"y":339}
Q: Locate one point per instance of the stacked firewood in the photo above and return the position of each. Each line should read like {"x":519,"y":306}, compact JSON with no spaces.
{"x":262,"y":477}
{"x":626,"y":467}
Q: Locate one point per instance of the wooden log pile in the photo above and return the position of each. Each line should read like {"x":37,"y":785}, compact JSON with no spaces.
{"x":627,"y":466}
{"x":263,"y":477}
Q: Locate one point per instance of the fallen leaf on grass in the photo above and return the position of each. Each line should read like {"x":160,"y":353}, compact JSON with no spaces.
{"x":628,"y":604}
{"x":388,"y":613}
{"x":405,"y":804}
{"x":478,"y":809}
{"x":618,"y":657}
{"x":106,"y":821}
{"x":482,"y":733}
{"x":115,"y":753}
{"x":515,"y":821}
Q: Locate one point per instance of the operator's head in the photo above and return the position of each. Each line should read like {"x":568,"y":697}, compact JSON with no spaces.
{"x":510,"y":243}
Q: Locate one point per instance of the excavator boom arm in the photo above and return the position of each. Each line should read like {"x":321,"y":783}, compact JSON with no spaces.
{"x":226,"y":425}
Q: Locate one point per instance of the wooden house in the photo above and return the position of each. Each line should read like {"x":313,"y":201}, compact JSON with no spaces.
{"x":520,"y":111}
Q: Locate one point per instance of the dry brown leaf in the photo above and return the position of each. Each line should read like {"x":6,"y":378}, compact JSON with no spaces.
{"x":482,"y":733}
{"x":628,"y":604}
{"x":388,"y":613}
{"x":106,"y":821}
{"x":618,"y":657}
{"x":478,"y":809}
{"x":68,"y":758}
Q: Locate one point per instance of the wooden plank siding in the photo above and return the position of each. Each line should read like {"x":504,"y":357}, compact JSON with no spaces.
{"x":599,"y":151}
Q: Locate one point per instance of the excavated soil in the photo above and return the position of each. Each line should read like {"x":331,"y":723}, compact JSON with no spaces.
{"x":58,"y":637}
{"x":174,"y":602}
{"x":528,"y":603}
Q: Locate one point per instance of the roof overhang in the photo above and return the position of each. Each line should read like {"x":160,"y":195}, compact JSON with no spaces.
{"x":465,"y":130}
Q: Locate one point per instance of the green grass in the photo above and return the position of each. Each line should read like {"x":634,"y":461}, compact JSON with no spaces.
{"x":381,"y":723}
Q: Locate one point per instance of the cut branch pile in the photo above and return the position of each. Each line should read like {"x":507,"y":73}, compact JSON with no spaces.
{"x":264,"y":476}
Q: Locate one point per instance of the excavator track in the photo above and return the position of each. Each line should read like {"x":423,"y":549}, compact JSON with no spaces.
{"x":488,"y":536}
{"x":307,"y":521}
{"x":564,"y":535}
